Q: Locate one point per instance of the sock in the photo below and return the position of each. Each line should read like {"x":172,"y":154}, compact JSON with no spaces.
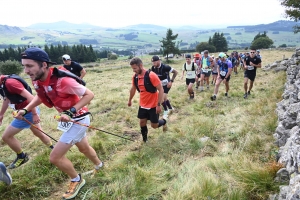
{"x":165,"y":106}
{"x":144,"y":130}
{"x":97,"y":167}
{"x":168,"y":104}
{"x":21,"y":154}
{"x":76,"y":179}
{"x":161,"y":122}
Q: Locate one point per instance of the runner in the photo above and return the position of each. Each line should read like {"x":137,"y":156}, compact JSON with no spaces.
{"x":70,"y":99}
{"x":197,"y":60}
{"x":17,"y":94}
{"x":224,"y":72}
{"x":73,"y":67}
{"x":251,"y":63}
{"x":190,"y":68}
{"x":214,"y":64}
{"x":236,"y":63}
{"x":147,"y":83}
{"x":163,"y":72}
{"x":258,"y":54}
{"x":206,"y":70}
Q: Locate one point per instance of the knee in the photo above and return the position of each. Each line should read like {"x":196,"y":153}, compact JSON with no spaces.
{"x":84,"y":150}
{"x":54,"y":159}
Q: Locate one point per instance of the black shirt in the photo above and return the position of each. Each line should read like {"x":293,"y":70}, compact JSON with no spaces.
{"x":162,"y":72}
{"x":255,"y":60}
{"x":75,"y":68}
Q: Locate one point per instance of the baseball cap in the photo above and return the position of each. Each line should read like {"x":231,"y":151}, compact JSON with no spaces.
{"x":155,"y":58}
{"x":258,"y":51}
{"x":222,"y":55}
{"x":37,"y":54}
{"x":66,"y":57}
{"x":206,"y":51}
{"x":188,"y":56}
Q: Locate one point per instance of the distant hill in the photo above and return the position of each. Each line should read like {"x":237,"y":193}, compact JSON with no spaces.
{"x":4,"y":29}
{"x":145,"y":27}
{"x":62,"y":25}
{"x":281,"y":25}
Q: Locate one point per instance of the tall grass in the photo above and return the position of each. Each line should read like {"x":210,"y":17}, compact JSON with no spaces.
{"x":235,"y":162}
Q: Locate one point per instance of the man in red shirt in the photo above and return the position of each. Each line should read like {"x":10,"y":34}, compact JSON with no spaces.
{"x":147,"y":83}
{"x":17,"y":94}
{"x":70,"y":99}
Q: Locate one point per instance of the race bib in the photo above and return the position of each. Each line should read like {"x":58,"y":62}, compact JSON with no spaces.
{"x":222,"y":73}
{"x":190,"y":74}
{"x":250,"y":67}
{"x":205,"y":70}
{"x":64,"y":126}
{"x":164,"y":82}
{"x":12,"y":106}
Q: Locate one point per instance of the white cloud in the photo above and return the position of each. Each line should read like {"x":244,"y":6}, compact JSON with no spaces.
{"x":118,"y":13}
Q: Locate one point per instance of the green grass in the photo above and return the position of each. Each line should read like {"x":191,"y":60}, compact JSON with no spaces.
{"x":234,"y":163}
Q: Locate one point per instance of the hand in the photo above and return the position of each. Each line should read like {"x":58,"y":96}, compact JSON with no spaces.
{"x":18,"y":114}
{"x":246,"y":67}
{"x":158,"y":109}
{"x":129,"y":103}
{"x":1,"y":118}
{"x":35,"y":118}
{"x":169,"y":85}
{"x":63,"y":118}
{"x":251,"y":64}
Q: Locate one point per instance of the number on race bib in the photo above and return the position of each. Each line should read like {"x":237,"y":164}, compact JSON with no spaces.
{"x":64,"y":126}
{"x":205,"y":70}
{"x":164,"y":82}
{"x":250,"y":67}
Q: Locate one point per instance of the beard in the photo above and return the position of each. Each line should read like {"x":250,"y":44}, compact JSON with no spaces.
{"x":39,"y":75}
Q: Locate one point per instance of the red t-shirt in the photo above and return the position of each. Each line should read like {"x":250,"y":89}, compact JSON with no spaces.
{"x":148,"y":99}
{"x":16,"y":87}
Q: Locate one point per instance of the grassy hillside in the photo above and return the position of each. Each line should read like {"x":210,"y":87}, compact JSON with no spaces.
{"x":212,"y":150}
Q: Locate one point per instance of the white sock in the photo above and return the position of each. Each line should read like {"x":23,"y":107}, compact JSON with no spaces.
{"x":76,"y":179}
{"x":97,"y":167}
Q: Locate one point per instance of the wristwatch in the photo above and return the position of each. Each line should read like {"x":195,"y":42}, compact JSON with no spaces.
{"x":73,"y":110}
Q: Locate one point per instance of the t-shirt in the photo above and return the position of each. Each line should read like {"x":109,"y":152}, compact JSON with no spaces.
{"x":147,"y":99}
{"x":74,"y":67}
{"x":163,"y":73}
{"x":16,"y":87}
{"x":255,"y":60}
{"x":189,"y":73}
{"x":224,"y":66}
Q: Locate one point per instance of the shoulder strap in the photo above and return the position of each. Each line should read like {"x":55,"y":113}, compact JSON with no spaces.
{"x":185,"y":66}
{"x":62,"y":73}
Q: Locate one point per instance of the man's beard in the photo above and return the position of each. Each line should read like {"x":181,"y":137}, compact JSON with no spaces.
{"x":39,"y":75}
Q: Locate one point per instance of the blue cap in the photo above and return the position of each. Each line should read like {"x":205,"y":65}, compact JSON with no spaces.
{"x":37,"y":54}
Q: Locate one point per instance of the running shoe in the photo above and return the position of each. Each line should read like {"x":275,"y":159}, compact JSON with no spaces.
{"x":74,"y":188}
{"x":213,"y":97}
{"x":245,"y":96}
{"x":145,"y":138}
{"x":226,"y":94}
{"x":4,"y":175}
{"x":166,"y":113}
{"x":18,"y":162}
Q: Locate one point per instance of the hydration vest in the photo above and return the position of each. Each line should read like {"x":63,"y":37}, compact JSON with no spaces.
{"x":193,"y":67}
{"x":147,"y":83}
{"x":14,"y":98}
{"x":162,"y":75}
{"x":223,"y":66}
{"x":207,"y":60}
{"x":51,"y":98}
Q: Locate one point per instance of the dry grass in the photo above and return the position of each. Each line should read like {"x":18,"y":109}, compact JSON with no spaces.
{"x":233,"y":164}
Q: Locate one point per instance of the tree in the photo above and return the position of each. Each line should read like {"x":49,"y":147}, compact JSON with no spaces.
{"x":10,"y":67}
{"x":219,"y":42}
{"x":292,"y":11}
{"x":261,"y":43}
{"x":168,"y":44}
{"x":205,"y":46}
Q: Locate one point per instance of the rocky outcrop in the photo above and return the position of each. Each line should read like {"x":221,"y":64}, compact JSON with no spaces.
{"x":287,"y":133}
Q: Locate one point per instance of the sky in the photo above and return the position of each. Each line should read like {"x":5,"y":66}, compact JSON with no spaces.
{"x":121,"y":13}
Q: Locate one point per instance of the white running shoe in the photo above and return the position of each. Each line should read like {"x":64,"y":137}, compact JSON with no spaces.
{"x":166,"y":112}
{"x":4,"y":175}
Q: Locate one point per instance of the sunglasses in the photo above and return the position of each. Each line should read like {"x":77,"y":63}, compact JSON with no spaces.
{"x":252,"y":52}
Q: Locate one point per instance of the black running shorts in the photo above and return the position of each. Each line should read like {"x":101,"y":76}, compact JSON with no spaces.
{"x":148,"y":114}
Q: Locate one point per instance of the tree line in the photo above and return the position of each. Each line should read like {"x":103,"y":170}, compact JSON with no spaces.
{"x":79,"y":53}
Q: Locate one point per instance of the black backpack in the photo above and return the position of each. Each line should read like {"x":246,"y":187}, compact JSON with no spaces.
{"x":193,"y":66}
{"x":62,"y":73}
{"x":147,"y":83}
{"x":14,"y":98}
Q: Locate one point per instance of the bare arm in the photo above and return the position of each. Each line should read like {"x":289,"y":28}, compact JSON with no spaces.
{"x":82,"y":73}
{"x":29,"y":97}
{"x":131,"y":94}
{"x":85,"y":99}
{"x":3,"y":109}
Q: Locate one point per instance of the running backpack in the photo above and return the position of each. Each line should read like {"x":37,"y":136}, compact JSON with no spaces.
{"x":147,"y":83}
{"x":193,"y":67}
{"x":207,"y":60}
{"x":63,"y":73}
{"x":161,"y":73}
{"x":14,"y":98}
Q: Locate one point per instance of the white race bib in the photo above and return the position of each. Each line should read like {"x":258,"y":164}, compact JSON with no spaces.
{"x":64,"y":126}
{"x":12,"y":106}
{"x":205,"y":70}
{"x":164,"y":82}
{"x":250,"y":67}
{"x":222,"y":73}
{"x":190,"y":74}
